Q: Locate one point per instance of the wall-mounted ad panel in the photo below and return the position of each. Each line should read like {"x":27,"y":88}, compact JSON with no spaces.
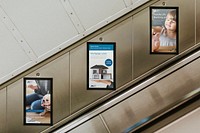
{"x":38,"y":101}
{"x":164,"y":33}
{"x":101,"y":65}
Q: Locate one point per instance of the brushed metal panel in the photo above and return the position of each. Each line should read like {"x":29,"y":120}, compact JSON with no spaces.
{"x":179,"y":83}
{"x":94,"y":125}
{"x":92,"y":12}
{"x":44,"y":24}
{"x":186,"y":22}
{"x":185,"y":124}
{"x":130,"y":111}
{"x":3,"y":110}
{"x":153,"y":98}
{"x":59,"y":71}
{"x":142,"y":59}
{"x":80,"y":96}
{"x":14,"y":114}
{"x":198,"y":21}
{"x":121,"y":34}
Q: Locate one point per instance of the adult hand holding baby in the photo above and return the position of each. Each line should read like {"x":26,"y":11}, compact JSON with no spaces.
{"x":155,"y":41}
{"x":33,"y":87}
{"x":32,"y":84}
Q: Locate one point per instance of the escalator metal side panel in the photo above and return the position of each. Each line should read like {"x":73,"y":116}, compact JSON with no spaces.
{"x":3,"y":110}
{"x":154,"y":98}
{"x":171,"y":115}
{"x":123,"y":61}
{"x":197,"y":21}
{"x":185,"y":124}
{"x":158,"y":94}
{"x":95,"y":125}
{"x":14,"y":111}
{"x":142,"y":60}
{"x":122,"y":35}
{"x":59,"y":70}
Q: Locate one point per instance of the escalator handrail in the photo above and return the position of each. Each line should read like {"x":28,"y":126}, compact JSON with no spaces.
{"x":164,"y":113}
{"x":128,"y":93}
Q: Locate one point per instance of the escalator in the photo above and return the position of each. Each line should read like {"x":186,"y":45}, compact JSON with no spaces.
{"x":148,"y":86}
{"x":144,"y":105}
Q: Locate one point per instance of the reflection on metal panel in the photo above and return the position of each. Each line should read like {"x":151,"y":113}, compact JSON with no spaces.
{"x":121,"y":34}
{"x":15,"y":110}
{"x":154,"y":98}
{"x":198,"y":21}
{"x":93,"y":126}
{"x":3,"y":110}
{"x":180,"y":83}
{"x":186,"y":22}
{"x":142,"y":60}
{"x":59,"y":71}
{"x":80,"y":96}
{"x":128,"y":112}
{"x":96,"y":11}
{"x":144,"y":105}
{"x":186,"y":124}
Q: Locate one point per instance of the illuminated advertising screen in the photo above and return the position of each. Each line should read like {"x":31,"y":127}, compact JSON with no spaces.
{"x":101,"y":65}
{"x":164,"y":30}
{"x":38,"y":101}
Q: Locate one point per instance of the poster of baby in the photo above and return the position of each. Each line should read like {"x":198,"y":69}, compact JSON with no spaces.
{"x":164,"y":30}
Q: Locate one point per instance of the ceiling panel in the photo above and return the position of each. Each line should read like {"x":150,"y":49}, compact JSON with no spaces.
{"x":136,"y":1}
{"x":43,"y":23}
{"x":92,"y":12}
{"x":12,"y":55}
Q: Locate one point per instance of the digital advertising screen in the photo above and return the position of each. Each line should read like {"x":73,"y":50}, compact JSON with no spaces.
{"x":38,"y":101}
{"x":101,"y":65}
{"x":164,"y":25}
